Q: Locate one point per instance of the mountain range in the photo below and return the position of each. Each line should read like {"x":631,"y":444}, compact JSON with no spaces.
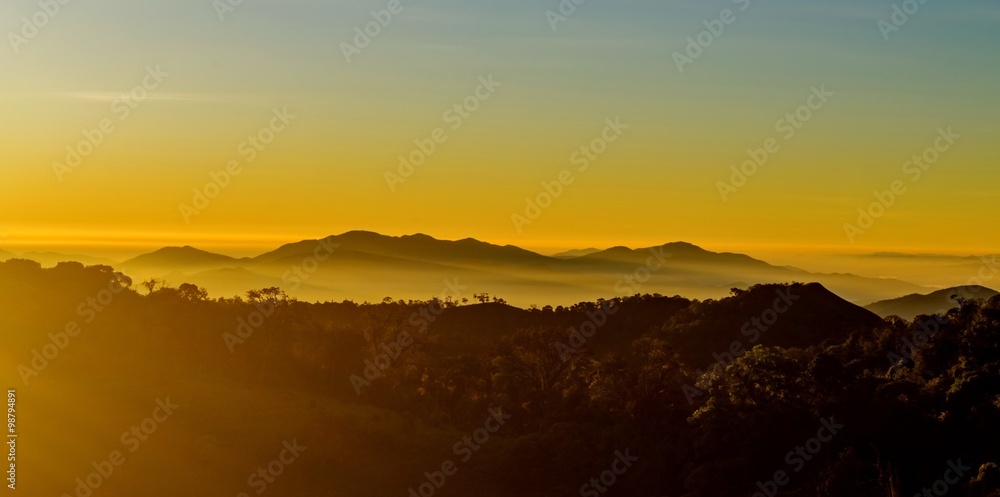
{"x":362,"y":265}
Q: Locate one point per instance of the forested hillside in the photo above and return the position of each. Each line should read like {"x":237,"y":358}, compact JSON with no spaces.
{"x":777,"y":389}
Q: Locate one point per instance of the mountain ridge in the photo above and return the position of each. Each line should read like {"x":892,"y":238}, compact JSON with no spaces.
{"x":367,"y":265}
{"x":917,"y":304}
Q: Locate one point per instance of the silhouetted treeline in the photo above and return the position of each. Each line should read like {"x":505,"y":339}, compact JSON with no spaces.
{"x":778,"y":389}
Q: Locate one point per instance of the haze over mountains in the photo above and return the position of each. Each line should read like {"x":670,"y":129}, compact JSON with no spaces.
{"x":366,"y":266}
{"x":572,"y":254}
{"x":933,"y":270}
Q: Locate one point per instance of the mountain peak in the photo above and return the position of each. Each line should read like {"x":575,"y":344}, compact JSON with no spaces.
{"x":420,"y":236}
{"x":186,"y":249}
{"x":360,"y":234}
{"x":179,"y":257}
{"x":418,"y":247}
{"x":681,"y":245}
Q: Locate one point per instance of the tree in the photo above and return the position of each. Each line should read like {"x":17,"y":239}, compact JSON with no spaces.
{"x":272,"y":302}
{"x":151,"y":284}
{"x":527,"y":369}
{"x":192,"y":293}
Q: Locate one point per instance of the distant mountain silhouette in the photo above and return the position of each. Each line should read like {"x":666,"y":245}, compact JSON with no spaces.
{"x":417,"y":247}
{"x":680,"y":253}
{"x":911,"y":306}
{"x":691,"y":264}
{"x":362,"y":265}
{"x":52,"y":258}
{"x":184,"y":259}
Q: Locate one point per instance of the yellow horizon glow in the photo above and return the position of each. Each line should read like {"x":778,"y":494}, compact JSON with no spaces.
{"x":325,"y":172}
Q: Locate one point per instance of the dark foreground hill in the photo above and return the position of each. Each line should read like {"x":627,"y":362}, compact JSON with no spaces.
{"x":771,"y":315}
{"x":397,"y":398}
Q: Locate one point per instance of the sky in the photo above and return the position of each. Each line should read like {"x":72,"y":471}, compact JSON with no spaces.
{"x":331,"y":122}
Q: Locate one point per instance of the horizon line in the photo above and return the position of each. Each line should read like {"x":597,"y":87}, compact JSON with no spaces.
{"x":146,"y":242}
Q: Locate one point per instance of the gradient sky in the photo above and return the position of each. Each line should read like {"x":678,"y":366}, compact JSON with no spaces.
{"x":325,"y":173}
